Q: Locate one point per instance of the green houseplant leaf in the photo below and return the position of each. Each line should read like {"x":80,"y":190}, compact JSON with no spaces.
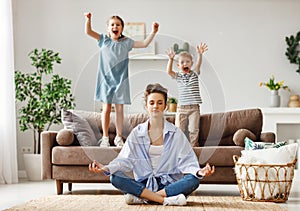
{"x":292,"y":51}
{"x":172,"y":100}
{"x":41,"y":102}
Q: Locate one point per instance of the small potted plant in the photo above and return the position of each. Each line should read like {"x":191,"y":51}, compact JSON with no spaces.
{"x":41,"y":98}
{"x":172,"y":104}
{"x":274,"y":87}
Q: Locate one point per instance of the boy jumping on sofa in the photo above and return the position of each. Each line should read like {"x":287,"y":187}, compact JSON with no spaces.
{"x":188,"y":111}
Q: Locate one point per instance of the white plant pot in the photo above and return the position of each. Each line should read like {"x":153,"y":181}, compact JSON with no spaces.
{"x":33,"y":166}
{"x":275,"y":99}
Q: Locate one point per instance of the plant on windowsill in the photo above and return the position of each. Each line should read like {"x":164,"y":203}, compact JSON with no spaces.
{"x":42,"y":98}
{"x":172,"y":104}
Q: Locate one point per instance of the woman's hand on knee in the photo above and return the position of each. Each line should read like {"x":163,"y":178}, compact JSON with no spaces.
{"x":206,"y":171}
{"x":97,"y":167}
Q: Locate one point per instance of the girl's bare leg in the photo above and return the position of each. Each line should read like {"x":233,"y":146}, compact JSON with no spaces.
{"x":106,"y":118}
{"x":119,"y":119}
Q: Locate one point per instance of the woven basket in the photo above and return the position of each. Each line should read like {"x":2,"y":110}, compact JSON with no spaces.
{"x":262,"y":182}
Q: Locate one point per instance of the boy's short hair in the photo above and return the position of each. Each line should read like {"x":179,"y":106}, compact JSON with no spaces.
{"x":185,"y":54}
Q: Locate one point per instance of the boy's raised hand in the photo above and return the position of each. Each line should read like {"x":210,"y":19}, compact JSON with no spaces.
{"x":201,"y":48}
{"x":171,"y":53}
{"x":155,"y":26}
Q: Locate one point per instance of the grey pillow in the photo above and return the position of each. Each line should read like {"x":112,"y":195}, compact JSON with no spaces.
{"x":94,"y":120}
{"x":80,"y":128}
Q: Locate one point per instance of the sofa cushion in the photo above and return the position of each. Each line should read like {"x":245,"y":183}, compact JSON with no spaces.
{"x":77,"y":173}
{"x":268,"y":137}
{"x":218,"y":128}
{"x":217,"y":155}
{"x":132,"y":120}
{"x":80,"y":127}
{"x":77,"y":155}
{"x":65,"y":137}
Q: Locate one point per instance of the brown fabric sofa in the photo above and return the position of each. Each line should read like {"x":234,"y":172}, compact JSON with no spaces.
{"x":221,"y":136}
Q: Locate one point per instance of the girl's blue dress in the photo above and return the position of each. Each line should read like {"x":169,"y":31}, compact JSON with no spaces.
{"x":112,"y":85}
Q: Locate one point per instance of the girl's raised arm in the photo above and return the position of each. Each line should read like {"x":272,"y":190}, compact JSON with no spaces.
{"x":148,"y":40}
{"x":88,"y":28}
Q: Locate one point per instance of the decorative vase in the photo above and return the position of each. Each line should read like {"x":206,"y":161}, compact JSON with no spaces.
{"x":275,"y":99}
{"x":294,"y":101}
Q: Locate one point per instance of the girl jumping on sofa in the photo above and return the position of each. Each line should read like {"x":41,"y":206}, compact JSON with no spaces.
{"x":165,"y":167}
{"x":112,"y":85}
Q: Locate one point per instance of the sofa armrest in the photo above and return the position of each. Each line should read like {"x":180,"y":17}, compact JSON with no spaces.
{"x":268,"y":137}
{"x":48,"y":140}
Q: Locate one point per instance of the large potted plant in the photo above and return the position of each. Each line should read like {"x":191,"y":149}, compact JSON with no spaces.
{"x":42,"y":95}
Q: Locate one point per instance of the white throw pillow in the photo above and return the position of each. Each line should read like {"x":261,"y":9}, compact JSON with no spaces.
{"x":281,"y":155}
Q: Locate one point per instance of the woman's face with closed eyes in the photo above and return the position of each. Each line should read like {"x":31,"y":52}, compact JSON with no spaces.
{"x":156,"y":103}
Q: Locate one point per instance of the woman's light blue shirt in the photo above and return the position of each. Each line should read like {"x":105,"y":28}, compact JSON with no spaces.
{"x":177,"y":158}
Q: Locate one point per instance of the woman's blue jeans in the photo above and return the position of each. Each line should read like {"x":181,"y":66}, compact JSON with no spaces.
{"x":185,"y":185}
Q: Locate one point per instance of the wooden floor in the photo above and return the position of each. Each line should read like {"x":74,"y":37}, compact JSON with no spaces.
{"x":25,"y":190}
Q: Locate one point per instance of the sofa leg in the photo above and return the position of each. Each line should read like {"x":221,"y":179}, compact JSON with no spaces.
{"x":70,"y":186}
{"x":59,"y":187}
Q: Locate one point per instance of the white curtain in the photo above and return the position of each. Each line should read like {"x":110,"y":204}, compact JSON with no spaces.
{"x":8,"y":141}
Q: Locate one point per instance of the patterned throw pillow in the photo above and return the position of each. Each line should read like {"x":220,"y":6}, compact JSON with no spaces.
{"x":251,"y":145}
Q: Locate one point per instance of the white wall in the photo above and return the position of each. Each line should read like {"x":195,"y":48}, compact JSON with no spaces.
{"x":246,"y":41}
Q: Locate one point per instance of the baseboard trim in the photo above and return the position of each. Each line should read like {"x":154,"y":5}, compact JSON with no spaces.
{"x":22,"y":174}
{"x":296,"y":175}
